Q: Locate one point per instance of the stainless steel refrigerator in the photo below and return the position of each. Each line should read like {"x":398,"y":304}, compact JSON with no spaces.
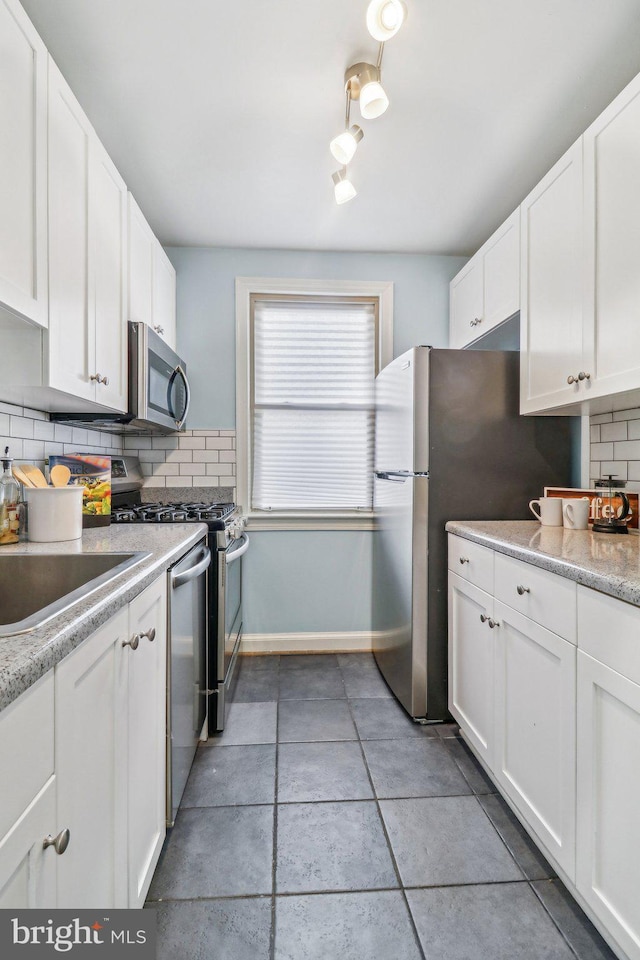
{"x":450,"y":445}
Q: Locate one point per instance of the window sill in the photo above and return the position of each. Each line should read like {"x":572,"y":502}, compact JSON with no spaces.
{"x":336,"y":521}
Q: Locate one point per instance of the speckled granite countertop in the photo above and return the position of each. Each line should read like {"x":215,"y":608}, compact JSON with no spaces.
{"x":28,"y":656}
{"x":607,"y":562}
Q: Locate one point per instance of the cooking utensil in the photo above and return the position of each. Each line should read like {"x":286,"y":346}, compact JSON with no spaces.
{"x":22,"y":477}
{"x":35,"y":475}
{"x":60,"y":475}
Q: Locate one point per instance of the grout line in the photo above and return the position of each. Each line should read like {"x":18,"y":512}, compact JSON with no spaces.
{"x":274,"y":854}
{"x":550,"y":915}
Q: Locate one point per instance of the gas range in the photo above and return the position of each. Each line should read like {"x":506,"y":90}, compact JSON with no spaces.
{"x":173,"y":512}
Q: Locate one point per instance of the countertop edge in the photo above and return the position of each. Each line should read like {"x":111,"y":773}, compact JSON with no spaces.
{"x":587,"y":575}
{"x":69,"y":629}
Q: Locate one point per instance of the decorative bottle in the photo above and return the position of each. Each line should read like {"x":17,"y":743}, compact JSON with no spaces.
{"x":9,"y":496}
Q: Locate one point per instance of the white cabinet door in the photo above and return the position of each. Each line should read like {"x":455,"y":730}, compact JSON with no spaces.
{"x":23,"y":165}
{"x":90,"y":735}
{"x":146,"y":726}
{"x":164,"y":296}
{"x":612,"y":220}
{"x":501,"y":261}
{"x":608,"y":780}
{"x":27,"y":867}
{"x":471,"y":664}
{"x":552,"y":346}
{"x":466,"y":293}
{"x":534,"y":758}
{"x":108,"y":225}
{"x":71,"y":327}
{"x":140,"y":280}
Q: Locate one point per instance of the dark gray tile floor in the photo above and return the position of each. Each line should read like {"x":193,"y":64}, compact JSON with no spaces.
{"x":324,"y":823}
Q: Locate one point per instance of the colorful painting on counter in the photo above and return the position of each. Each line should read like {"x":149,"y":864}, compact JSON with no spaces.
{"x":92,"y":472}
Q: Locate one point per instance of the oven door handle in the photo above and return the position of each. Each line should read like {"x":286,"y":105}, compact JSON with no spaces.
{"x":237,"y":553}
{"x":177,"y":579}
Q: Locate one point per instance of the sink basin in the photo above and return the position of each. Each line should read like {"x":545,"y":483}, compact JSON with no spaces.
{"x":36,"y":587}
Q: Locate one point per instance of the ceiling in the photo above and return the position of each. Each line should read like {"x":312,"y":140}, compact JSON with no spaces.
{"x":219,"y":114}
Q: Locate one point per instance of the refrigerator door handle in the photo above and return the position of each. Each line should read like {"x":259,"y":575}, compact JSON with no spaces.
{"x":398,"y":476}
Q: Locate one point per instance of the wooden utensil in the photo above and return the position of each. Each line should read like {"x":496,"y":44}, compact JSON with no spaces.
{"x":21,"y":477}
{"x":35,"y":475}
{"x":60,"y":475}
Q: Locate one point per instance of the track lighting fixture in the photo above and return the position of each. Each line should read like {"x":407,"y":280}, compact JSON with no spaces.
{"x":363,"y":83}
{"x":343,"y":189}
{"x":385,"y":17}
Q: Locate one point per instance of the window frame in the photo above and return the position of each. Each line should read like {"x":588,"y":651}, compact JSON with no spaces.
{"x":255,"y":287}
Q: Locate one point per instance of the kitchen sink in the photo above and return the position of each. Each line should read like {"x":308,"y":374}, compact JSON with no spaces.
{"x":36,"y":587}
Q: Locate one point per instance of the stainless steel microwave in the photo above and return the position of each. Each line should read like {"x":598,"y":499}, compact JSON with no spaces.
{"x":158,"y":390}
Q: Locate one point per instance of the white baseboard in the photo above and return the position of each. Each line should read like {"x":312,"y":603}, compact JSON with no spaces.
{"x":355,"y":642}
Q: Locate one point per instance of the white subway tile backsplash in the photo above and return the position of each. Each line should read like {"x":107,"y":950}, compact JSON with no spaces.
{"x":627,"y":414}
{"x":602,"y":451}
{"x":626,"y":450}
{"x":31,"y":436}
{"x":166,"y":469}
{"x":43,"y":430}
{"x":154,"y":481}
{"x":137,"y":443}
{"x":152,"y":456}
{"x":191,"y":443}
{"x":226,"y":469}
{"x":11,"y":408}
{"x":602,"y":418}
{"x":80,"y":437}
{"x":180,"y":456}
{"x":33,"y":450}
{"x":206,"y":456}
{"x":633,"y":470}
{"x":4,"y":423}
{"x":227,"y":456}
{"x":21,"y":427}
{"x":219,"y":443}
{"x":164,"y":443}
{"x":613,"y":431}
{"x":633,"y":430}
{"x":614,"y":468}
{"x":187,"y":469}
{"x":63,"y":433}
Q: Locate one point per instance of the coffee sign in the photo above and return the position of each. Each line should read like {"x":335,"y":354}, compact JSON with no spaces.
{"x":601,"y":507}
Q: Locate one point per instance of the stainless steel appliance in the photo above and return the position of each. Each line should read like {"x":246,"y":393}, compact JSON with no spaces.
{"x":450,"y":445}
{"x":186,"y":668}
{"x":228,"y":543}
{"x":158,"y":390}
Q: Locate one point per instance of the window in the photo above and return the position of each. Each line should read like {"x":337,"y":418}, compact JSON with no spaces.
{"x":306,"y":446}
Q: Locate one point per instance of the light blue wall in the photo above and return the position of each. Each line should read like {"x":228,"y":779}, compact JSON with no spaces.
{"x":298,"y":581}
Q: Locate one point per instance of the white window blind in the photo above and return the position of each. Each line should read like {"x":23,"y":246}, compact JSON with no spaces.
{"x":314,"y":366}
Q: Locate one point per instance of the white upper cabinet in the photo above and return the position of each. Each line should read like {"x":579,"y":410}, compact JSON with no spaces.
{"x":612,"y":241}
{"x":87,"y":257}
{"x":152,"y":279}
{"x":23,"y":165}
{"x":552,"y":343}
{"x":487,"y":289}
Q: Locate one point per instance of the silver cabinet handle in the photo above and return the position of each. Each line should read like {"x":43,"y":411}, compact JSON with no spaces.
{"x":133,"y":642}
{"x":572,"y":379}
{"x":483,"y":618}
{"x":158,"y":328}
{"x":59,"y":843}
{"x":150,"y":634}
{"x":475,"y":321}
{"x":105,"y":381}
{"x":99,"y":379}
{"x":584,"y":376}
{"x":464,"y":559}
{"x":493,"y":623}
{"x":522,"y":590}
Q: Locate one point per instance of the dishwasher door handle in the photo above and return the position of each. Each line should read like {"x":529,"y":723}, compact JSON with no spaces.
{"x":237,"y":553}
{"x":177,"y":579}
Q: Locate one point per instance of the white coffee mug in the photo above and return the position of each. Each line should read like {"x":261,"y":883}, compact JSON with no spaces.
{"x":550,"y":511}
{"x":575,"y":513}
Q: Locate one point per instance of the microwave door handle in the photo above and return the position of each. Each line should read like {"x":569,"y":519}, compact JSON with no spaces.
{"x":237,"y":553}
{"x":179,"y":371}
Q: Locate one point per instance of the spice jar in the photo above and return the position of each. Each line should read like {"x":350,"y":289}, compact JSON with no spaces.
{"x":9,"y":508}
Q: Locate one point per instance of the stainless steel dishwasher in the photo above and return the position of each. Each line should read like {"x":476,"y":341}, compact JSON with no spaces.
{"x":186,"y":668}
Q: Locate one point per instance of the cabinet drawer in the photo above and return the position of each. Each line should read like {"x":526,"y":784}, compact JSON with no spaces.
{"x":609,"y":631}
{"x":471,"y":562}
{"x":544,"y":597}
{"x":26,"y":749}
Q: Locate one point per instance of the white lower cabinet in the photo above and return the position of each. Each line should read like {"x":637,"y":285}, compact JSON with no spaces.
{"x":146,"y":740}
{"x":87,"y":829}
{"x":471,"y":670}
{"x":110,"y":756}
{"x":91,"y":703}
{"x":534,"y":756}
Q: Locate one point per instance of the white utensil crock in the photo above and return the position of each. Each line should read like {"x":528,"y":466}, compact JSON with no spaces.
{"x":54,"y":513}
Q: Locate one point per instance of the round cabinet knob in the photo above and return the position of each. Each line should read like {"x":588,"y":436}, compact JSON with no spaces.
{"x":572,"y":379}
{"x":493,"y":623}
{"x":133,"y":642}
{"x":158,"y":329}
{"x":464,"y":560}
{"x":522,"y":590}
{"x":105,"y":381}
{"x":97,"y":377}
{"x":150,"y":634}
{"x":484,"y":618}
{"x":59,"y":843}
{"x":584,"y":376}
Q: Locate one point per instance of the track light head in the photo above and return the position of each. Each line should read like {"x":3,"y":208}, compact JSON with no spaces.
{"x":346,"y":143}
{"x":362,"y":81}
{"x":343,"y":189}
{"x":385,"y":17}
